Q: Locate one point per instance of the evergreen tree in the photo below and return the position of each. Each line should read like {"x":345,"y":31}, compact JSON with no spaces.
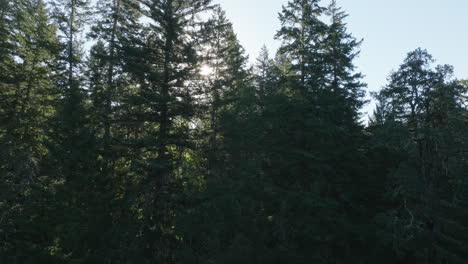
{"x":73,"y":158}
{"x":316,"y":154}
{"x":224,"y":58}
{"x":424,"y":108}
{"x":227,"y":106}
{"x":117,"y":34}
{"x":341,"y":49}
{"x":107,"y":79}
{"x":6,"y":58}
{"x":162,"y":62}
{"x":302,"y":34}
{"x":70,"y":16}
{"x":265,"y":76}
{"x":29,"y":47}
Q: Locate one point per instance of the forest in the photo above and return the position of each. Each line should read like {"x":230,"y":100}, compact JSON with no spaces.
{"x":138,"y":132}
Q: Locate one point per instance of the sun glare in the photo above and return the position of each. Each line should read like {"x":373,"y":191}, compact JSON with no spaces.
{"x":206,"y":70}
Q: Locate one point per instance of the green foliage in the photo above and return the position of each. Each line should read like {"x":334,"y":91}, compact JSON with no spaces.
{"x":28,"y":58}
{"x":152,"y":140}
{"x":422,"y":112}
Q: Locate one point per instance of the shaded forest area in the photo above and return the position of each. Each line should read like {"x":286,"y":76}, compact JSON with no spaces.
{"x":136,"y":131}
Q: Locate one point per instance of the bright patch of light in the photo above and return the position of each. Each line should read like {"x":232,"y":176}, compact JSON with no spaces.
{"x":206,"y":70}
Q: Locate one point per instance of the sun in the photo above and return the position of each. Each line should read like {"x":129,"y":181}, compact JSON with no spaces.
{"x":206,"y":70}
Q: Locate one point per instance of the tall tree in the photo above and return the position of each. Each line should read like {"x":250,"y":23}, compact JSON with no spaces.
{"x":117,"y":33}
{"x":73,"y":158}
{"x":225,"y":60}
{"x":115,"y":24}
{"x":344,"y":83}
{"x":302,"y":33}
{"x":265,"y":76}
{"x":70,"y":17}
{"x":227,"y":106}
{"x":424,"y":108}
{"x":29,"y":45}
{"x":316,"y":153}
{"x":6,"y":58}
{"x":163,"y":63}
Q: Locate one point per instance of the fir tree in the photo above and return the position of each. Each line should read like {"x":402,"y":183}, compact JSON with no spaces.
{"x":224,"y":57}
{"x":163,"y":63}
{"x":28,"y":58}
{"x":302,"y":34}
{"x":321,"y":95}
{"x":265,"y":76}
{"x":424,"y":107}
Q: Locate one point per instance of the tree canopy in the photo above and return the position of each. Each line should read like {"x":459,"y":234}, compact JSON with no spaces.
{"x":138,"y":131}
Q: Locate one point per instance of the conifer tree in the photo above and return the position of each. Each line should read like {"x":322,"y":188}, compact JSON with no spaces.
{"x":302,"y":34}
{"x":228,"y":106}
{"x":321,"y":94}
{"x":116,"y":19}
{"x":424,"y":107}
{"x":116,"y":31}
{"x":5,"y":45}
{"x":71,"y":120}
{"x":225,"y":59}
{"x":29,"y":45}
{"x":73,"y":158}
{"x":162,"y":62}
{"x":265,"y":77}
{"x":341,"y":49}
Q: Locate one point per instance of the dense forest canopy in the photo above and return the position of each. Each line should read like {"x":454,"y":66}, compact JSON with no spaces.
{"x":136,"y":131}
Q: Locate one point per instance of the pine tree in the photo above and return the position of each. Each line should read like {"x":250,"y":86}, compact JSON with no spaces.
{"x":114,"y":25}
{"x":117,"y":34}
{"x":227,"y":113}
{"x":265,"y":77}
{"x":162,"y":62}
{"x":6,"y":59}
{"x":225,"y":59}
{"x":316,"y":153}
{"x":73,"y":158}
{"x":28,"y":57}
{"x":71,"y":120}
{"x":341,"y":49}
{"x":424,"y":107}
{"x":302,"y":34}
{"x":7,"y":63}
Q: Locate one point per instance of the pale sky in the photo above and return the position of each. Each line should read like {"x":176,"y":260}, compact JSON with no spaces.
{"x":390,"y":29}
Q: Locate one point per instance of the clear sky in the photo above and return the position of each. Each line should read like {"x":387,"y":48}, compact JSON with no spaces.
{"x":390,"y":29}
